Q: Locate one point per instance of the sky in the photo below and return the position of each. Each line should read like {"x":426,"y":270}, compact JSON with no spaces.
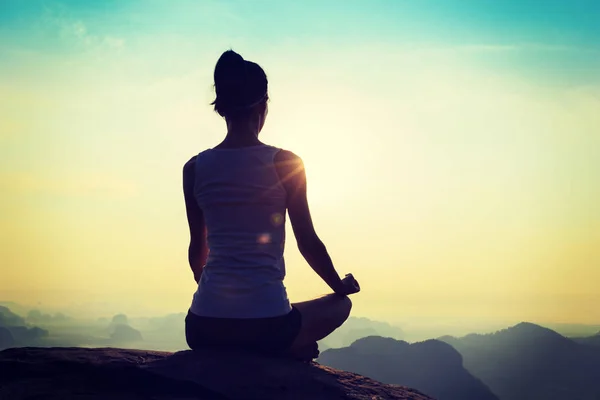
{"x":452,"y":149}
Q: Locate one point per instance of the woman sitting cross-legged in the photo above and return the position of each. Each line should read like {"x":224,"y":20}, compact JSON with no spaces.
{"x":237,"y":195}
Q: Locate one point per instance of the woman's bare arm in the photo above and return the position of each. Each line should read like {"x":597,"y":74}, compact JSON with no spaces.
{"x":290,"y":169}
{"x":198,"y":249}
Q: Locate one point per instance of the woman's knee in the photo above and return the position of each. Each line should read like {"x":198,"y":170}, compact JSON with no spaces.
{"x":345,"y":306}
{"x":347,"y":303}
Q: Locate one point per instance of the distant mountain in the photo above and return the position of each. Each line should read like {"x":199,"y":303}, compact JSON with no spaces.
{"x":9,"y":318}
{"x":589,"y":340}
{"x":432,"y":367}
{"x":574,"y":330}
{"x":528,"y":361}
{"x":14,"y":332}
{"x":355,"y":328}
{"x":14,"y":307}
{"x":124,"y":334}
{"x":6,"y":338}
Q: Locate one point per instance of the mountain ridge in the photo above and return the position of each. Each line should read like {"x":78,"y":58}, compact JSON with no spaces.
{"x":431,"y":366}
{"x":528,"y":361}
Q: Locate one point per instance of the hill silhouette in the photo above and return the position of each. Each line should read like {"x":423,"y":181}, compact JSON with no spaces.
{"x":9,"y":318}
{"x":77,"y":373}
{"x":39,"y":328}
{"x":358,"y":327}
{"x":574,"y":330}
{"x":589,"y":340}
{"x":528,"y":361}
{"x":6,"y":338}
{"x":15,"y":332}
{"x":433,"y":367}
{"x":125,"y":334}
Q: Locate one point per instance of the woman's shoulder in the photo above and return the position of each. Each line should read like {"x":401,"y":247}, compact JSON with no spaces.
{"x":283,"y":158}
{"x":289,"y":167}
{"x":189,"y":168}
{"x":287,"y":156}
{"x":190,"y":164}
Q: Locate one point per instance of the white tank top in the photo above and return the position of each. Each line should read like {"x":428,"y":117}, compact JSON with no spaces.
{"x":244,"y":205}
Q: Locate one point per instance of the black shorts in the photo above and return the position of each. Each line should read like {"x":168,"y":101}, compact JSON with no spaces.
{"x":264,"y":335}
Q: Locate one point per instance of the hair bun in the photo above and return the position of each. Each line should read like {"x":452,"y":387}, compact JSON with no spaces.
{"x":239,"y":84}
{"x":230,"y":70}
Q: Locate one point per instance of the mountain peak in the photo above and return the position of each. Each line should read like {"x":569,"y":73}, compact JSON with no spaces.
{"x":431,"y":366}
{"x":379,"y":344}
{"x":531,"y":330}
{"x":528,"y":325}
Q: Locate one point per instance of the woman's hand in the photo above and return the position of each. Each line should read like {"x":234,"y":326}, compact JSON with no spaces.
{"x":349,"y":285}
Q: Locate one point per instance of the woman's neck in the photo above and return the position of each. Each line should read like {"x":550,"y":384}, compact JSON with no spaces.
{"x":241,"y":135}
{"x":239,"y":140}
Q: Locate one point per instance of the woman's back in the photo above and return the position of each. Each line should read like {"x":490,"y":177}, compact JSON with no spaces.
{"x":236,"y":197}
{"x":244,"y":206}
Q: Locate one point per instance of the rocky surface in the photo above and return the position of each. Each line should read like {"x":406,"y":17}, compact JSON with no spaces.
{"x":106,"y":373}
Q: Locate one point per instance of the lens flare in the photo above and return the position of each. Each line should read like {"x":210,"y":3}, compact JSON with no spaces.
{"x":277,"y":219}
{"x":263,"y":238}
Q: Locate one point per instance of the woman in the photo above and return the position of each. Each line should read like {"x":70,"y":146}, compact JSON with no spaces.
{"x":236,"y":196}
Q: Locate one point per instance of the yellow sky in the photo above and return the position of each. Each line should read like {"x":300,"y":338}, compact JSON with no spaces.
{"x":448,"y":190}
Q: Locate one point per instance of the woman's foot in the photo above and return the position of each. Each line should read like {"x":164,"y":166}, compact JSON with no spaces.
{"x":305,"y":353}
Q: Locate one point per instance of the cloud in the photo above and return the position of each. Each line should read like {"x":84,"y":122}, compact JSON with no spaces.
{"x":113,"y":42}
{"x":76,"y":32}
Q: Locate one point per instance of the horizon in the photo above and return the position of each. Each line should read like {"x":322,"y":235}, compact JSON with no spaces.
{"x":452,"y":150}
{"x":60,"y":324}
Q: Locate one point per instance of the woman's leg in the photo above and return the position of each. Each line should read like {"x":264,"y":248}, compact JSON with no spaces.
{"x":320,"y":317}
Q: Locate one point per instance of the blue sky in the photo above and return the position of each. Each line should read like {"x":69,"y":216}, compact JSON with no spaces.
{"x":557,"y":35}
{"x":554,"y":42}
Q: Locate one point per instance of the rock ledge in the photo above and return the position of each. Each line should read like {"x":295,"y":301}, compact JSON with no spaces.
{"x":107,"y":373}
